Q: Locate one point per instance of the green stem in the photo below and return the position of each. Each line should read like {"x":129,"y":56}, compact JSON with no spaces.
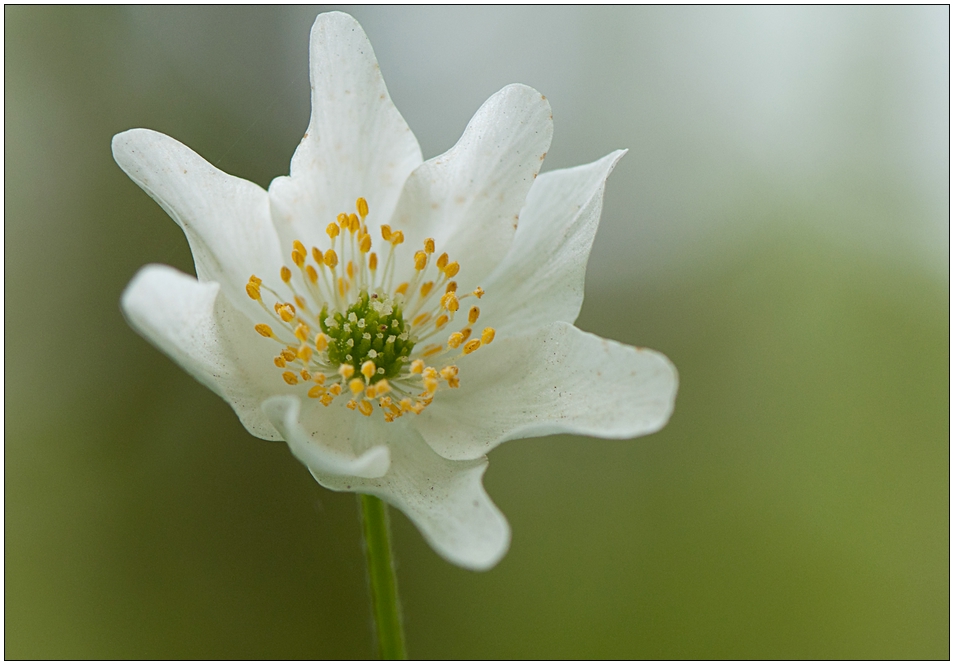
{"x":384,"y":598}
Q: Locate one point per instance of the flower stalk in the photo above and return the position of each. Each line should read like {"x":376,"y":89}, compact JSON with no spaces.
{"x":385,"y":606}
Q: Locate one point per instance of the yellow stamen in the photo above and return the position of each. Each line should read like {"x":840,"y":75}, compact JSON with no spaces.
{"x":368,"y":369}
{"x":421,"y":319}
{"x":417,"y":366}
{"x":332,"y":230}
{"x":353,"y":222}
{"x":386,"y":232}
{"x":429,"y":245}
{"x":365,"y":407}
{"x":304,"y":352}
{"x":335,"y":389}
{"x":321,"y":342}
{"x":351,"y":404}
{"x":426,"y":288}
{"x":279,"y":361}
{"x":317,"y":256}
{"x":289,"y":354}
{"x":319,"y":378}
{"x":382,"y":387}
{"x":305,"y":375}
{"x":253,"y":290}
{"x":362,"y":206}
{"x":452,"y":269}
{"x":455,"y":340}
{"x":290,"y":378}
{"x":331,"y":259}
{"x":286,"y":274}
{"x":397,"y":238}
{"x":434,"y":350}
{"x":365,"y":244}
{"x":402,"y":289}
{"x":373,"y":261}
{"x":479,"y":292}
{"x":264,"y":330}
{"x":441,"y":321}
{"x":442,"y":261}
{"x":327,"y":399}
{"x":487,"y":336}
{"x":316,"y":391}
{"x":451,"y":286}
{"x":473,"y":314}
{"x":356,"y":386}
{"x":346,"y":371}
{"x":300,"y":248}
{"x":420,"y":260}
{"x":471,"y":346}
{"x":312,"y":274}
{"x":255,"y":280}
{"x":301,"y":332}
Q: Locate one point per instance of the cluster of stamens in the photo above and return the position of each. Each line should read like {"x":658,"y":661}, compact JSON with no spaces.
{"x":347,"y":332}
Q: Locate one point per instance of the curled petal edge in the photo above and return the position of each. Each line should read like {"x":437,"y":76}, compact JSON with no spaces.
{"x":283,"y":412}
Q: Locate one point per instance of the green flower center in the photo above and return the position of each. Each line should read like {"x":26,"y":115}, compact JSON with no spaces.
{"x":373,"y":328}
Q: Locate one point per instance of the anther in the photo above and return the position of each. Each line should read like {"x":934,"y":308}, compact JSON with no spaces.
{"x":451,"y":303}
{"x":286,"y":274}
{"x":298,"y":259}
{"x":351,"y":404}
{"x":285,"y":312}
{"x":335,"y":389}
{"x":305,"y":375}
{"x":473,"y":314}
{"x":429,"y":245}
{"x":365,"y":244}
{"x":421,"y":319}
{"x":386,"y":232}
{"x":420,"y":260}
{"x":317,"y":256}
{"x":426,"y":288}
{"x":290,"y":378}
{"x":368,"y":369}
{"x":479,"y":292}
{"x":327,"y":399}
{"x":449,"y":372}
{"x":343,"y":221}
{"x":279,"y":361}
{"x":312,"y":274}
{"x":321,"y":342}
{"x":316,"y":391}
{"x":304,"y":352}
{"x":455,"y":340}
{"x":397,"y":238}
{"x":332,"y":230}
{"x":373,"y":261}
{"x":382,"y":387}
{"x":365,"y":407}
{"x":402,"y":289}
{"x":346,"y":371}
{"x":318,"y":378}
{"x":452,"y":269}
{"x":471,"y":346}
{"x":417,"y":366}
{"x":451,"y":286}
{"x":289,"y":354}
{"x":442,"y":261}
{"x":301,"y":332}
{"x":441,"y":321}
{"x":264,"y":330}
{"x":466,"y":333}
{"x":255,"y":280}
{"x":331,"y":259}
{"x":487,"y":336}
{"x":356,"y":386}
{"x":253,"y":291}
{"x":362,"y":205}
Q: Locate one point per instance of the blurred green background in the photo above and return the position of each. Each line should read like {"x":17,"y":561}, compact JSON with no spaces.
{"x":778,"y":229}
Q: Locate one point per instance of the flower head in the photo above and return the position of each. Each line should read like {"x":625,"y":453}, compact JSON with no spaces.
{"x":392,"y":319}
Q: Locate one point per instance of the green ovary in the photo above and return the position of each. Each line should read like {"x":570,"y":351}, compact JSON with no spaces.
{"x":373,"y":328}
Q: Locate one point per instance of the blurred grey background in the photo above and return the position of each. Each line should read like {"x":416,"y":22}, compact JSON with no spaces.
{"x":779,"y":229}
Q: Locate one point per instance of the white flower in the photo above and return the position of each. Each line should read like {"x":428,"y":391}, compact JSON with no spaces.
{"x":391,"y":379}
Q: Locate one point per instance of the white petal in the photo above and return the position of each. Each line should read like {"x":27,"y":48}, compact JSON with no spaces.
{"x":469,"y":198}
{"x":325,"y":444}
{"x":357,"y":143}
{"x":541,"y":280}
{"x":558,"y":380}
{"x":446,"y":500}
{"x":226,"y":219}
{"x":195,"y":325}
